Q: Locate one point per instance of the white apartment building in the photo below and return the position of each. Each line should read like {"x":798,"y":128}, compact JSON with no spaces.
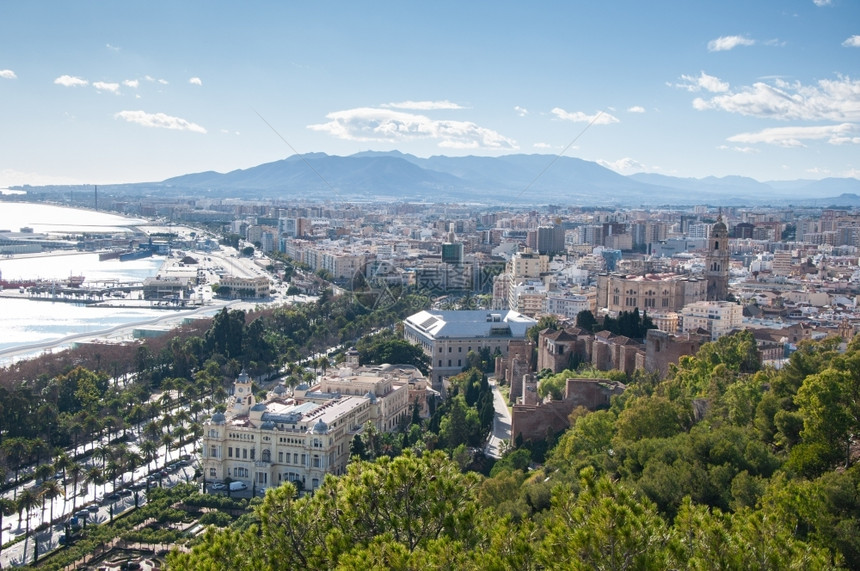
{"x":717,"y":317}
{"x":528,"y":298}
{"x":570,"y":304}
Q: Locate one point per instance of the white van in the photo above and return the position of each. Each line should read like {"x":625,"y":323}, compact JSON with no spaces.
{"x":237,"y":486}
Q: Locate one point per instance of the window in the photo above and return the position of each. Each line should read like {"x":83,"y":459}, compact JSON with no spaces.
{"x":267,"y":456}
{"x":245,"y":453}
{"x":449,"y":362}
{"x":213,"y":473}
{"x":316,"y":463}
{"x":303,"y":460}
{"x":262,"y":478}
{"x":252,"y":453}
{"x":229,"y":451}
{"x":213,"y":452}
{"x":281,"y":457}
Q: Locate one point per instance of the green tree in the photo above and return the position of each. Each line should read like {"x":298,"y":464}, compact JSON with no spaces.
{"x":399,"y":507}
{"x":586,"y":320}
{"x":604,"y":527}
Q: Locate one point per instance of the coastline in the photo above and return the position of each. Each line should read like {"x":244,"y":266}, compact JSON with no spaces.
{"x":117,"y":334}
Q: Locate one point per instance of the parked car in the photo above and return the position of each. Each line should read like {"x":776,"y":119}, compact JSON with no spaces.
{"x":218,"y":486}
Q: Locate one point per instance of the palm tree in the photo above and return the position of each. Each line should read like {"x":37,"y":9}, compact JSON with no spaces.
{"x":114,"y":469}
{"x":135,"y":417}
{"x":148,"y":448}
{"x":167,"y":441}
{"x":93,"y":427}
{"x":152,"y":430}
{"x":196,"y":408}
{"x":43,"y":472}
{"x":324,"y":364}
{"x":167,"y":421}
{"x":74,"y":471}
{"x":49,"y":490}
{"x":7,"y":507}
{"x":16,"y":450}
{"x":180,"y":433}
{"x":27,"y":500}
{"x":102,"y":451}
{"x":94,"y":477}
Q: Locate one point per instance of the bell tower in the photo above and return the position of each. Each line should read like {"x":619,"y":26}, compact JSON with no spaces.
{"x":243,"y":395}
{"x":717,"y":261}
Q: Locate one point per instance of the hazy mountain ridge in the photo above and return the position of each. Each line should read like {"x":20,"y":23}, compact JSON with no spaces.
{"x":509,"y":179}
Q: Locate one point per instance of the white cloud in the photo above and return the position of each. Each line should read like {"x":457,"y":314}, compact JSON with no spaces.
{"x":726,"y":43}
{"x":845,"y":133}
{"x":422,"y":105}
{"x":70,"y":81}
{"x":371,"y":124}
{"x":159,"y":120}
{"x":819,"y":171}
{"x":7,"y":74}
{"x":105,"y":86}
{"x":162,"y":81}
{"x":745,"y":150}
{"x":195,"y":81}
{"x":112,"y":48}
{"x":822,"y":2}
{"x":704,"y":81}
{"x":133,"y":83}
{"x":599,"y":118}
{"x":542,"y":146}
{"x":636,"y":109}
{"x":521,"y":111}
{"x":852,"y":42}
{"x":623,"y":166}
{"x":835,"y":100}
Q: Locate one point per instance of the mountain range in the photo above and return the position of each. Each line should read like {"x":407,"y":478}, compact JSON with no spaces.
{"x":506,"y":180}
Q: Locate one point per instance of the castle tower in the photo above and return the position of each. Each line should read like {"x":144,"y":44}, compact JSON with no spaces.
{"x":717,"y":261}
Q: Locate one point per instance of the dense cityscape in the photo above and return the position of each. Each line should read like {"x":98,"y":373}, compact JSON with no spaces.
{"x":442,"y":285}
{"x":356,"y":334}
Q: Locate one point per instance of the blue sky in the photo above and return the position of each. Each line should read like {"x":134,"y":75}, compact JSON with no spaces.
{"x":110,"y":92}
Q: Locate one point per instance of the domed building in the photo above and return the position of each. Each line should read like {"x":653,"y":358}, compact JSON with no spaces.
{"x":303,"y":437}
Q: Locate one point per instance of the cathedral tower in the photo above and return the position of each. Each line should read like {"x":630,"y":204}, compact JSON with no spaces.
{"x":717,"y":261}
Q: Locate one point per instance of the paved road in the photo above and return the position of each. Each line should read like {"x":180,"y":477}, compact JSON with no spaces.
{"x":501,"y":423}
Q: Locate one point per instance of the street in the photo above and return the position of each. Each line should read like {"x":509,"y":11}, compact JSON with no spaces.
{"x":501,"y":424}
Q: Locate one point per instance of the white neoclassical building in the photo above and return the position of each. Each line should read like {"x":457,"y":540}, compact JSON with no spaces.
{"x":304,"y":437}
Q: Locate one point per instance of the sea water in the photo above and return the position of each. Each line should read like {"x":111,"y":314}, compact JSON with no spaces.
{"x":31,"y":324}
